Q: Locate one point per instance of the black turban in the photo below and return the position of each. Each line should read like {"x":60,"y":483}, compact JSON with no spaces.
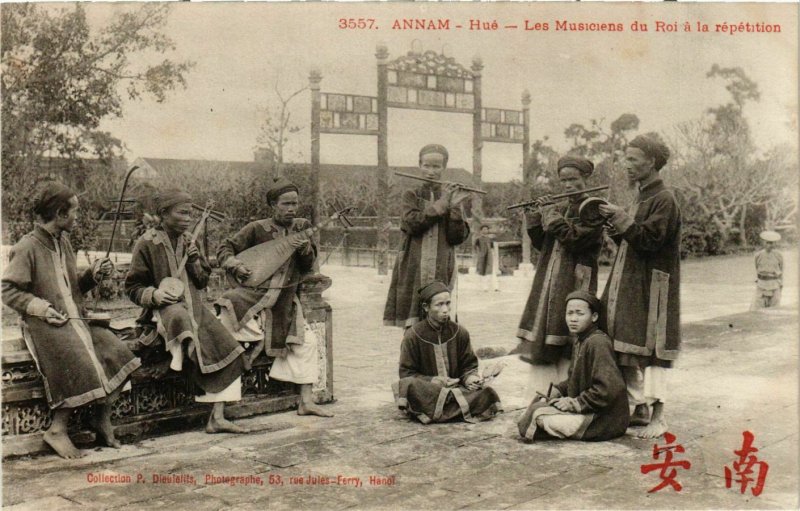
{"x":279,"y":186}
{"x":652,"y":148}
{"x":434,"y":148}
{"x":432,"y":289}
{"x":52,"y":197}
{"x":169,"y":198}
{"x":594,"y":303}
{"x":584,"y":165}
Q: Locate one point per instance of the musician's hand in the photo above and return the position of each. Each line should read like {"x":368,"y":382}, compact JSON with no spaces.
{"x":242,"y":273}
{"x":448,"y":189}
{"x":544,"y":200}
{"x":299,"y":243}
{"x":53,"y":317}
{"x":609,"y":210}
{"x":445,"y":381}
{"x":473,"y":382}
{"x":102,"y":269}
{"x":192,"y":252}
{"x":162,"y":298}
{"x":458,"y":197}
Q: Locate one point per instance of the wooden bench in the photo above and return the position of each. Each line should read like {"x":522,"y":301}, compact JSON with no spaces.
{"x":159,"y":400}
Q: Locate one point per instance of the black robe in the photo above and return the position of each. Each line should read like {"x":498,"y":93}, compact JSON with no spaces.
{"x":427,"y":352}
{"x":641,"y":302}
{"x":568,"y":262}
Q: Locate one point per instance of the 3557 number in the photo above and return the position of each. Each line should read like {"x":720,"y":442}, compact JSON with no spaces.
{"x":357,"y":23}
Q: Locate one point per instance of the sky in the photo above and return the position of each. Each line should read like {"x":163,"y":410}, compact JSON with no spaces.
{"x":242,"y":50}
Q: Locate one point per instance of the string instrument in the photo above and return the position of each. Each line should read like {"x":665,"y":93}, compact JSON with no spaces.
{"x":174,"y":285}
{"x":436,"y":181}
{"x":264,"y":259}
{"x":553,"y":198}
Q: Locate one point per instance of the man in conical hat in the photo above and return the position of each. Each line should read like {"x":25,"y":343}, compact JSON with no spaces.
{"x":769,"y":272}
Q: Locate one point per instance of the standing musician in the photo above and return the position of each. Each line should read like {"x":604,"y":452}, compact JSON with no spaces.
{"x":433,"y":225}
{"x":80,"y":363}
{"x":567,"y":262}
{"x":641,"y":302}
{"x":188,"y":327}
{"x":271,"y":315}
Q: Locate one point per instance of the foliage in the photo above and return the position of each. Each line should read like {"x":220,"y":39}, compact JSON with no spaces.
{"x":60,"y":79}
{"x":277,"y":127}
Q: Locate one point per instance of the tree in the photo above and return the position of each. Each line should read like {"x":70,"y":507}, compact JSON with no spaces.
{"x":61,"y":78}
{"x":278,"y":127}
{"x":715,"y":165}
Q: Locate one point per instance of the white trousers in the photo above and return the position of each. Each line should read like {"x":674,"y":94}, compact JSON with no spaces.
{"x":645,"y":387}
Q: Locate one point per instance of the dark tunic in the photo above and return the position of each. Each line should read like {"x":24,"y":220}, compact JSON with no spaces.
{"x":483,"y":255}
{"x":568,"y":262}
{"x":215,"y":355}
{"x":79,"y":363}
{"x":431,"y":233}
{"x":641,"y":301}
{"x":279,"y":302}
{"x":427,"y":352}
{"x":596,"y":382}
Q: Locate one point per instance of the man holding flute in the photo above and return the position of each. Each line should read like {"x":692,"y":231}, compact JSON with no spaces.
{"x":567,"y":262}
{"x":433,"y":225}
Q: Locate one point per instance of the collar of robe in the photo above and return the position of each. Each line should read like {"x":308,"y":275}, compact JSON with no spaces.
{"x":46,"y":237}
{"x":588,"y":332}
{"x":651,"y":188}
{"x":425,"y":331}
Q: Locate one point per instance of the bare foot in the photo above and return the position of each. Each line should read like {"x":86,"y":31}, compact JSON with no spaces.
{"x":223,"y":425}
{"x":640,"y":416}
{"x":653,"y":430}
{"x":106,"y":430}
{"x":312,"y":409}
{"x":61,"y":443}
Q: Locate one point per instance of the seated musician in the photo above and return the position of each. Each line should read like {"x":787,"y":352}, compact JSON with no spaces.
{"x":80,"y":362}
{"x":439,"y":378}
{"x":271,"y":315}
{"x":189,"y":329}
{"x":592,"y":403}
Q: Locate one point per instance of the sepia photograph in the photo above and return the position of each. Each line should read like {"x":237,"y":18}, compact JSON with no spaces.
{"x":399,"y":255}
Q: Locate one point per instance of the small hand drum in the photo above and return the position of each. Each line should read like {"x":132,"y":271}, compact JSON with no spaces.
{"x":589,"y":211}
{"x":172,"y":285}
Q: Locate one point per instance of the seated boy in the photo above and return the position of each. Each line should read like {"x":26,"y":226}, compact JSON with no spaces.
{"x":438,"y":370}
{"x":592,"y":403}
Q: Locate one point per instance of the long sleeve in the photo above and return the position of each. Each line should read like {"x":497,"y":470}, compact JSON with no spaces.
{"x":199,"y":271}
{"x":86,"y":281}
{"x":651,"y":234}
{"x":305,"y":258}
{"x":456,"y":229}
{"x":467,"y":361}
{"x":606,"y":380}
{"x":17,"y":282}
{"x":139,"y":282}
{"x":409,"y":360}
{"x":535,"y":230}
{"x":240,"y":241}
{"x":574,"y":236}
{"x":415,"y":220}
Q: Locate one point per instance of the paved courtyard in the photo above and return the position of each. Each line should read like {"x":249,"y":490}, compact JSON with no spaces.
{"x":737,"y":372}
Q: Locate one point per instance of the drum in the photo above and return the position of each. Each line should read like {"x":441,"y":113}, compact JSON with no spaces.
{"x":589,"y":211}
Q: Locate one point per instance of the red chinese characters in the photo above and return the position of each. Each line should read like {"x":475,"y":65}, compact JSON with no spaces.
{"x":668,"y":467}
{"x":744,"y":468}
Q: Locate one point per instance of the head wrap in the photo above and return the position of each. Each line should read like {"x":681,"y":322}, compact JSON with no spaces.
{"x":51,"y":198}
{"x":169,"y":198}
{"x":434,"y":148}
{"x":652,"y":148}
{"x":770,"y":236}
{"x":432,"y":289}
{"x":584,"y":165}
{"x":279,"y":186}
{"x":594,"y":303}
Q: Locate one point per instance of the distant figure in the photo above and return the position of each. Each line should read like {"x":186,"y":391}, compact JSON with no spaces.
{"x":592,"y":403}
{"x":433,"y":225}
{"x":482,"y":249}
{"x":769,"y":271}
{"x":439,"y":378}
